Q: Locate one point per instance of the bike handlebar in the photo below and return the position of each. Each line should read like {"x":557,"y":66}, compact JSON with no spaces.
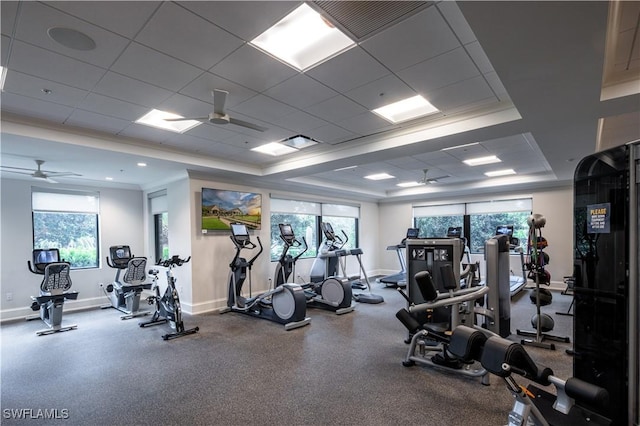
{"x":173,"y":261}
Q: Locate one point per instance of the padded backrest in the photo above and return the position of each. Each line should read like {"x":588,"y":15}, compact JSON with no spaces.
{"x":56,"y":277}
{"x":498,"y":351}
{"x":448,"y":277}
{"x":425,"y":285}
{"x":136,"y":271}
{"x":467,"y":343}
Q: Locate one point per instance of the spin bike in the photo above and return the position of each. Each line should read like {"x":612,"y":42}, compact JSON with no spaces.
{"x":124,"y":295}
{"x":330,"y":293}
{"x":168,"y":307}
{"x":54,"y":289}
{"x":285,"y":304}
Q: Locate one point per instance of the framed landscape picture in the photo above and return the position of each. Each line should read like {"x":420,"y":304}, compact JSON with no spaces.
{"x":221,"y":208}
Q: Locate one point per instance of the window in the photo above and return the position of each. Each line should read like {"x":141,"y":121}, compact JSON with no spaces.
{"x":158,"y":209}
{"x":305,"y":218}
{"x":68,"y":221}
{"x":479,"y":220}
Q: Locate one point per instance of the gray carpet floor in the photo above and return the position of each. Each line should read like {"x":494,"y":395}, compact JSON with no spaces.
{"x":241,"y":370}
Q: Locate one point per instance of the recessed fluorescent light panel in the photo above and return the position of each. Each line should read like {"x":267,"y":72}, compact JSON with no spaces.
{"x":141,"y":164}
{"x":379,"y":176}
{"x":3,"y":75}
{"x":409,"y":184}
{"x":460,"y":146}
{"x":504,"y":172}
{"x":274,"y":148}
{"x":157,"y":118}
{"x":407,"y":109}
{"x":479,"y":161}
{"x":303,"y":39}
{"x":344,"y":168}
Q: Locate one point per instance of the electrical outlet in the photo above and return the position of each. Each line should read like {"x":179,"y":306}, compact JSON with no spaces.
{"x":9,"y":297}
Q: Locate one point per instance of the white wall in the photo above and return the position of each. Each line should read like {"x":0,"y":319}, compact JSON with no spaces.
{"x":555,"y":204}
{"x":121,"y":222}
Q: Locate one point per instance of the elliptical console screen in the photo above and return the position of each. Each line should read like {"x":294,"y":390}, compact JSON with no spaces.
{"x":454,"y":232}
{"x":239,"y":230}
{"x":45,"y":256}
{"x":286,"y":230}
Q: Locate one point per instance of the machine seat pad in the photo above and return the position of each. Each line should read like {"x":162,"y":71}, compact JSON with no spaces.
{"x":56,"y":277}
{"x":467,"y":343}
{"x":498,"y":351}
{"x":426,"y":286}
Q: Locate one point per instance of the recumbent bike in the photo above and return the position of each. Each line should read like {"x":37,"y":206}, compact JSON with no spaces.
{"x":285,"y":304}
{"x":124,"y":294}
{"x":54,"y":289}
{"x":168,"y":308}
{"x":330,"y":293}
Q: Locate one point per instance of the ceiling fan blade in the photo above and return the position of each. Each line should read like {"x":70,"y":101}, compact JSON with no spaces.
{"x":6,"y":169}
{"x":219,"y":99}
{"x":62,"y":174}
{"x":202,"y":119}
{"x":247,"y":124}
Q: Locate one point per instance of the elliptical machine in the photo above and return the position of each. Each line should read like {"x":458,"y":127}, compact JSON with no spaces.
{"x":285,"y":304}
{"x":168,"y":308}
{"x":125,"y":295}
{"x":54,"y":289}
{"x":330,"y":293}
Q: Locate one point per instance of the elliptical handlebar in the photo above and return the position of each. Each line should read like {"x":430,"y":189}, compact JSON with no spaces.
{"x":245,"y":244}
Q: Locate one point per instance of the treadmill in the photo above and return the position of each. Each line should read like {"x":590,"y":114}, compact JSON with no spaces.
{"x":399,"y":279}
{"x":516,"y":282}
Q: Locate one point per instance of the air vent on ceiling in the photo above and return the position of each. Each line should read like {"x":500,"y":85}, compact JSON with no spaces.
{"x":365,"y":18}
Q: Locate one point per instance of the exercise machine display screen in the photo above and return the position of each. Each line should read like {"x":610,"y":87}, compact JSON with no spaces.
{"x":454,"y":232}
{"x":505,"y":230}
{"x":239,"y":231}
{"x":44,"y":256}
{"x":286,"y":230}
{"x":412,"y":233}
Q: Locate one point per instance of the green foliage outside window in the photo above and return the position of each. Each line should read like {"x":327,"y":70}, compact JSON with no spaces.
{"x":436,"y":226}
{"x":304,"y":225}
{"x":483,"y":227}
{"x":75,"y":235}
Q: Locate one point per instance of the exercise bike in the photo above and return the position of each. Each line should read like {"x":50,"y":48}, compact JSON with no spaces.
{"x":330,"y":293}
{"x":54,"y":289}
{"x":168,"y":307}
{"x":285,"y":304}
{"x":124,"y":295}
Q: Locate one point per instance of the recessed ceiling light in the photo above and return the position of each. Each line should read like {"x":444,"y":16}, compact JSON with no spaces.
{"x":274,"y":148}
{"x":157,"y":118}
{"x":3,"y":75}
{"x":108,"y":178}
{"x":479,"y":161}
{"x":142,"y":164}
{"x":379,"y":176}
{"x":409,"y":184}
{"x":504,"y":172}
{"x":73,"y":39}
{"x":303,"y":39}
{"x":344,"y":168}
{"x":407,"y":109}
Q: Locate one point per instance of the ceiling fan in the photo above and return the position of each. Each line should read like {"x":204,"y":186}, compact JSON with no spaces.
{"x":38,"y":173}
{"x":429,"y":180}
{"x":219,"y":116}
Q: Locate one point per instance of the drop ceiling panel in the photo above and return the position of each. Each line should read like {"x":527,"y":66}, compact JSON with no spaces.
{"x":131,"y":90}
{"x":212,"y":132}
{"x":331,"y":134}
{"x":456,"y":20}
{"x":253,"y":69}
{"x":300,"y":122}
{"x":105,"y":105}
{"x":92,"y":120}
{"x":198,"y":42}
{"x":186,"y":106}
{"x":8,"y":10}
{"x":127,"y":19}
{"x":461,"y":94}
{"x":35,"y":107}
{"x":201,"y":88}
{"x":383,"y":91}
{"x":300,"y":91}
{"x":448,"y":68}
{"x":338,"y":108}
{"x":19,"y":83}
{"x":37,"y":62}
{"x":496,"y":86}
{"x":36,"y":19}
{"x":365,"y":124}
{"x":407,"y":163}
{"x":143,"y":63}
{"x":416,"y":36}
{"x":265,"y":107}
{"x":147,"y":133}
{"x":4,"y":51}
{"x":245,"y":19}
{"x":479,"y":57}
{"x":348,"y":70}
